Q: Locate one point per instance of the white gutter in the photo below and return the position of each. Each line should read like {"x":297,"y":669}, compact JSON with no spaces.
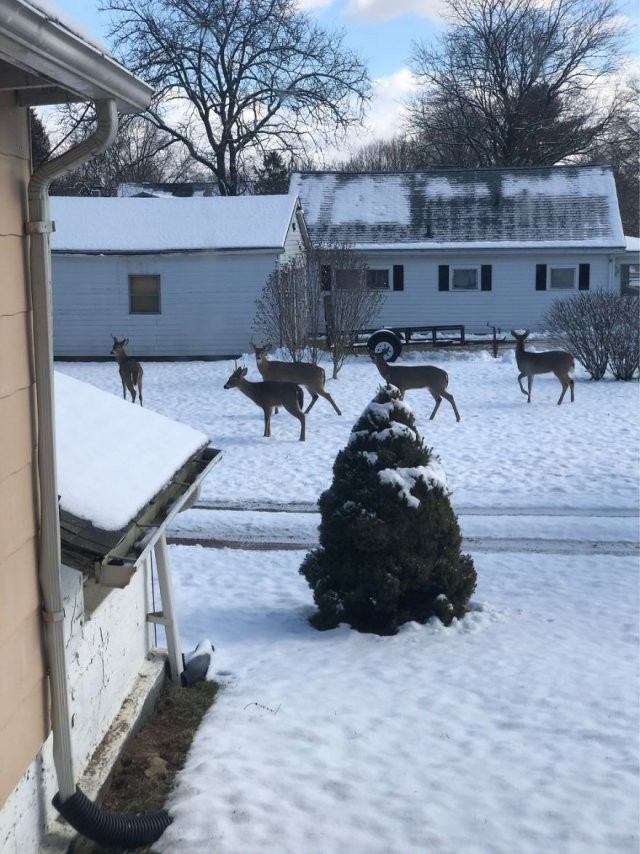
{"x":39,"y":227}
{"x":38,"y":42}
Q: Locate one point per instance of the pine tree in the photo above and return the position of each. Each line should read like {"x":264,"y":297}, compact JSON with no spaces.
{"x":389,"y":540}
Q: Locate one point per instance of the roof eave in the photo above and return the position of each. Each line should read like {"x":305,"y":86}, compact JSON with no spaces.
{"x":70,"y":68}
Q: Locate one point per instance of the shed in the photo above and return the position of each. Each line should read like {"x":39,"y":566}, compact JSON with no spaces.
{"x":478,"y":247}
{"x":178,"y":276}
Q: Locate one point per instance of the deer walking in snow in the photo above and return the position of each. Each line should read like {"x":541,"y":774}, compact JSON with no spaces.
{"x":268,"y":395}
{"x":130,"y":370}
{"x":306,"y":374}
{"x":558,"y":362}
{"x":405,"y":377}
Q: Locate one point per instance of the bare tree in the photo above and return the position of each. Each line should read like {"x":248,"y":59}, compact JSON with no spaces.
{"x":236,"y":78}
{"x":516,"y":82}
{"x":399,"y":154}
{"x":324,"y":295}
{"x":140,"y":153}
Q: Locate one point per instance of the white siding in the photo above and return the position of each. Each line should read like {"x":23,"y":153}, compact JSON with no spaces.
{"x":513,"y":300}
{"x":207,"y":303}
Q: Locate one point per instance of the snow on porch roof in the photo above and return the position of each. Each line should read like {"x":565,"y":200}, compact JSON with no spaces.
{"x":454,"y":208}
{"x":113,"y":456}
{"x":102,"y":225}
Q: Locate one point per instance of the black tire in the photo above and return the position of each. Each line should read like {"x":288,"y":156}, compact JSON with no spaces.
{"x":387,"y":343}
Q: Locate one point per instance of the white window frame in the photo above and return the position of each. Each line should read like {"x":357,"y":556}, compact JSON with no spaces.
{"x":385,"y":287}
{"x":458,"y":267}
{"x":550,"y":270}
{"x":155,"y":276}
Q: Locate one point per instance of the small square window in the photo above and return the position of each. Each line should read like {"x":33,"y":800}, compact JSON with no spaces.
{"x":144,"y":294}
{"x":562,"y":278}
{"x":464,"y":279}
{"x":378,"y":279}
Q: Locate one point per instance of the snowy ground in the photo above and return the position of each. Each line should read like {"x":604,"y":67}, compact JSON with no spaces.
{"x":516,"y":730}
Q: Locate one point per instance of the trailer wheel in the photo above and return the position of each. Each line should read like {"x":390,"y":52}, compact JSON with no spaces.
{"x":386,"y":343}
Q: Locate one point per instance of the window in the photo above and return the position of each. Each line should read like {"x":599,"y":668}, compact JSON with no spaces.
{"x":144,"y":294}
{"x":377,"y":278}
{"x":630,"y":279}
{"x":346,"y":279}
{"x":562,"y":278}
{"x":464,"y":278}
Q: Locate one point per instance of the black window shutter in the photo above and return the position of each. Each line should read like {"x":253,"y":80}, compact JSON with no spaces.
{"x":443,"y":277}
{"x":398,"y":277}
{"x":583,"y":277}
{"x":485,"y":277}
{"x":541,"y":277}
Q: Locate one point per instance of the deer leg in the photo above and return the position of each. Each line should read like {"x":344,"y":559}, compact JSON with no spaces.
{"x":314,"y":397}
{"x":139,"y":384}
{"x":124,"y":389}
{"x":328,"y":397}
{"x":299,"y":414}
{"x":438,"y":401}
{"x":449,"y":397}
{"x":132,"y":390}
{"x":529,"y":384}
{"x":520,"y":383}
{"x":267,"y":421}
{"x":571,"y":385}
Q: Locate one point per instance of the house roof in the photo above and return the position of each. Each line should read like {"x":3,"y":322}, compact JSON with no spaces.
{"x":131,"y":225}
{"x":459,"y":208}
{"x":46,"y":57}
{"x":154,"y":190}
{"x":123,"y":471}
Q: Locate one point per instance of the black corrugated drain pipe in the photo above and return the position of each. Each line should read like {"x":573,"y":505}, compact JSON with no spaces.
{"x":106,"y":828}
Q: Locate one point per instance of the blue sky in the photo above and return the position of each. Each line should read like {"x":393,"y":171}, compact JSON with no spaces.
{"x":381,"y":32}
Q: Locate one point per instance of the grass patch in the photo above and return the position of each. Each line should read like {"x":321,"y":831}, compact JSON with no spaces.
{"x":145,"y":773}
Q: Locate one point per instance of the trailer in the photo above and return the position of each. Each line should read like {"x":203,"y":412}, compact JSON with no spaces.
{"x":389,"y":341}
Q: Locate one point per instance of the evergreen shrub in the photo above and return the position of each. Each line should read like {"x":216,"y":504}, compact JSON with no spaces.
{"x":389,"y":540}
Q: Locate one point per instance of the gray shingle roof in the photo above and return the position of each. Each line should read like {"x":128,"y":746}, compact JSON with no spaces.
{"x":562,"y":205}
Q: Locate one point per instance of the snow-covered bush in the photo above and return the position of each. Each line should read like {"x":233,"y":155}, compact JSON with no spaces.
{"x":389,"y":540}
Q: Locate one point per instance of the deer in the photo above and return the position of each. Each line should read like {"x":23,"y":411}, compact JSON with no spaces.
{"x":269,"y":394}
{"x":558,"y":362}
{"x":306,"y":374}
{"x":405,"y":377}
{"x":130,"y":370}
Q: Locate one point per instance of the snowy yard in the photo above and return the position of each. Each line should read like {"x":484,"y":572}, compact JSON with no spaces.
{"x":515,"y":730}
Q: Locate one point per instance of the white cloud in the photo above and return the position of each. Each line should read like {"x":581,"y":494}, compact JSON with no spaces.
{"x":308,"y":5}
{"x":385,"y":115}
{"x":375,"y":11}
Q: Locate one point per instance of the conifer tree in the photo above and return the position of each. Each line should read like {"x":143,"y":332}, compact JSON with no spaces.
{"x":389,"y":540}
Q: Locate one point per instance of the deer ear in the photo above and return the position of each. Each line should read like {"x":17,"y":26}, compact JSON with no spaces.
{"x":243,"y":372}
{"x":125,"y":341}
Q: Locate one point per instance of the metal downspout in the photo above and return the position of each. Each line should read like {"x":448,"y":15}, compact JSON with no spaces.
{"x":38,"y":228}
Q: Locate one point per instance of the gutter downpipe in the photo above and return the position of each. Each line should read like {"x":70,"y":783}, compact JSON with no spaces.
{"x":39,"y":228}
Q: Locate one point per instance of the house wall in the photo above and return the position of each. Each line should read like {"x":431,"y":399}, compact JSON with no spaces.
{"x":207,"y":303}
{"x":106,"y":638}
{"x":24,"y":720}
{"x":512,"y":302}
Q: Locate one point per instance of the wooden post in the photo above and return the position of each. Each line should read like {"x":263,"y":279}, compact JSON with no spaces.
{"x":167,"y":617}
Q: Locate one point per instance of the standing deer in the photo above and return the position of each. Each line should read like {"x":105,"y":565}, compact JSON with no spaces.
{"x":130,"y":370}
{"x":269,"y":394}
{"x":529,"y":364}
{"x":306,"y":374}
{"x":406,"y":377}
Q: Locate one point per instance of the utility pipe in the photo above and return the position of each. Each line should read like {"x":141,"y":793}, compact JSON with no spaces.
{"x":39,"y":228}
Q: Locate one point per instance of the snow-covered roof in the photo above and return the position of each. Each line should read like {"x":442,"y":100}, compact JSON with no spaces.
{"x":632,"y":244}
{"x":107,"y":480}
{"x":91,"y":224}
{"x":458,"y":208}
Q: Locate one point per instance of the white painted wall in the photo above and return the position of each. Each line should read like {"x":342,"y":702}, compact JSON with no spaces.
{"x":105,"y":652}
{"x":513,"y":301}
{"x":207,"y":303}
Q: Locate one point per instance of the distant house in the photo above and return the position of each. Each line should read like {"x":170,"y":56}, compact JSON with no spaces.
{"x":73,"y":651}
{"x":475,"y":247}
{"x":178,"y":276}
{"x":155,"y":190}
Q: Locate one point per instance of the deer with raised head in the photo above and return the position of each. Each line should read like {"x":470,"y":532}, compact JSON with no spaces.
{"x":269,"y":395}
{"x":558,"y":362}
{"x":130,"y":370}
{"x":405,"y":377}
{"x":306,"y":374}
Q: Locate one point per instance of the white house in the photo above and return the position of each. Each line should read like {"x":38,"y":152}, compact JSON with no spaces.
{"x":178,"y":276}
{"x":476,"y":247}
